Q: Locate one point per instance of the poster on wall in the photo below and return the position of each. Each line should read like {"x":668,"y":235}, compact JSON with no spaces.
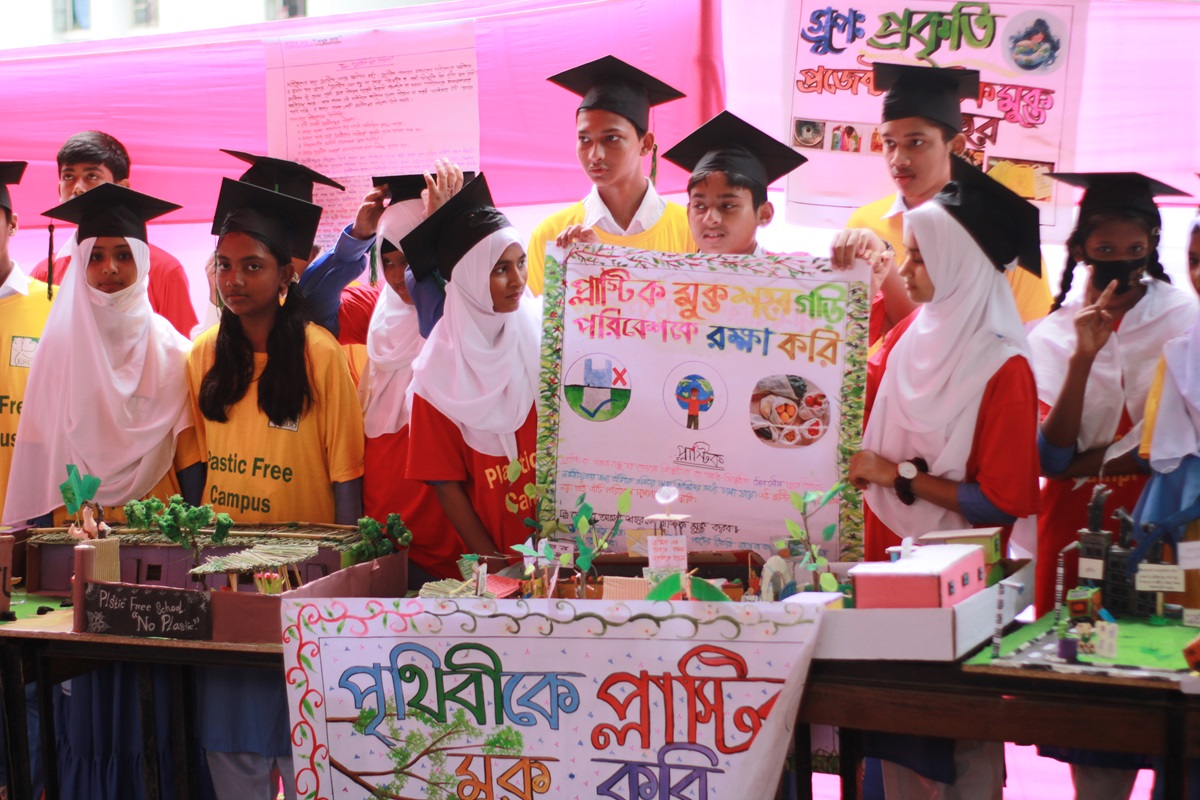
{"x":365,"y":103}
{"x":441,"y":699}
{"x":736,"y":379}
{"x":1020,"y":127}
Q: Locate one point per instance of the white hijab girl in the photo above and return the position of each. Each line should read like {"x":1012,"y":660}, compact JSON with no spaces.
{"x":108,"y":391}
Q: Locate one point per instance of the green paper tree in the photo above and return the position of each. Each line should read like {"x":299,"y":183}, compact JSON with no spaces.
{"x":78,"y":489}
{"x":808,"y":504}
{"x":178,"y":522}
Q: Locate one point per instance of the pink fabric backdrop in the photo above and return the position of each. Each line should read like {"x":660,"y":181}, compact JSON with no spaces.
{"x":173,"y":100}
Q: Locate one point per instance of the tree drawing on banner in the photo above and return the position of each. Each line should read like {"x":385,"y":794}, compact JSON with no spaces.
{"x":419,"y":752}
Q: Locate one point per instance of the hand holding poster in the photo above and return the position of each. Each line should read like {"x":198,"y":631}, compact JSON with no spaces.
{"x":441,"y":699}
{"x":736,"y":379}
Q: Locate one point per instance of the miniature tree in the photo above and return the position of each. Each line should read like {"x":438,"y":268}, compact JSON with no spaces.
{"x":378,"y":541}
{"x":809,"y":504}
{"x":178,"y":522}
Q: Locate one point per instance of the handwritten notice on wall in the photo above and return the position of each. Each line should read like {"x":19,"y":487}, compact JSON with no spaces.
{"x":497,"y":698}
{"x":1019,"y":128}
{"x":737,"y":379}
{"x":123,"y":609}
{"x":382,"y":102}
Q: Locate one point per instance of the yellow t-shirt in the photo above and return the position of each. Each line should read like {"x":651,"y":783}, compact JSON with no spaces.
{"x":670,"y":234}
{"x":22,"y":318}
{"x":1032,"y":293}
{"x":261,"y":473}
{"x":187,"y":453}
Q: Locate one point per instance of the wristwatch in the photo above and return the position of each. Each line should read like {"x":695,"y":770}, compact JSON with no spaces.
{"x":906,"y":471}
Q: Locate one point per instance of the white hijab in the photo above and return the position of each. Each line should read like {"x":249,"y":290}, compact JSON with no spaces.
{"x":1124,"y":368}
{"x":480,"y":368}
{"x":393,"y":338}
{"x":107,"y":392}
{"x":928,"y":400}
{"x":1177,"y":428}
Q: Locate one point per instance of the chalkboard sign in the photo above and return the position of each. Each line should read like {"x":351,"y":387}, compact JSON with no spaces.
{"x":123,"y":609}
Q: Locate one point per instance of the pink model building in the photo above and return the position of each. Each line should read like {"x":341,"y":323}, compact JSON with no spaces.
{"x":932,"y":577}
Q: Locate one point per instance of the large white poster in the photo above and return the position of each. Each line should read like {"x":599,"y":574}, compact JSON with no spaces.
{"x":383,"y":102}
{"x":1020,"y":127}
{"x":421,"y":699}
{"x":738,"y":380}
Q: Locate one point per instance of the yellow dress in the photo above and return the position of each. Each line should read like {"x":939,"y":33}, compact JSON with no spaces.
{"x":22,"y":318}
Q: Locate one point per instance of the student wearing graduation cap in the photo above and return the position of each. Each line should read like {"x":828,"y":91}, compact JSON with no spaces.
{"x":1095,"y":357}
{"x":394,"y":340}
{"x":281,"y":400}
{"x":24,"y":307}
{"x":950,"y":437}
{"x":613,"y":136}
{"x":90,"y":159}
{"x":922,"y":139}
{"x":474,"y":383}
{"x":731,"y":163}
{"x":107,"y":391}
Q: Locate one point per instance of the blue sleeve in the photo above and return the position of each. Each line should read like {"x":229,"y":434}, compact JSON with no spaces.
{"x":330,"y":273}
{"x":974,"y":505}
{"x":429,"y":298}
{"x":1054,"y":459}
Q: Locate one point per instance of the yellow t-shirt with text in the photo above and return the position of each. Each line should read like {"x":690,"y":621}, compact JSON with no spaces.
{"x":670,"y":234}
{"x":22,"y":318}
{"x":258,"y":472}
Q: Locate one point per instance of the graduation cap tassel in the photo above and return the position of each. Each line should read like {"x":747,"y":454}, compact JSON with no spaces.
{"x":50,"y":266}
{"x":654,"y":165}
{"x":374,"y":264}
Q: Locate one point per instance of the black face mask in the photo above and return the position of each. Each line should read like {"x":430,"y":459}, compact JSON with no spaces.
{"x":1123,"y":272}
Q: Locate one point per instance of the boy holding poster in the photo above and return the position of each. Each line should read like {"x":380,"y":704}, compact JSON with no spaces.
{"x":921,"y":134}
{"x":732,"y":164}
{"x":613,"y":130}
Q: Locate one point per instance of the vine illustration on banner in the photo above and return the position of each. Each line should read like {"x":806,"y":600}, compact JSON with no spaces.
{"x":438,"y":699}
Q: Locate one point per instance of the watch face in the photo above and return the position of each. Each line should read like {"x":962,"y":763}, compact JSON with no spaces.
{"x":907,"y":470}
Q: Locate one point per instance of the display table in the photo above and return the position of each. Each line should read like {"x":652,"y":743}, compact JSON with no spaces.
{"x":971,"y":702}
{"x":1135,"y":715}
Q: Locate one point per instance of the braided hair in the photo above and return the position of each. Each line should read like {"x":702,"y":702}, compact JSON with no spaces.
{"x":1084,"y":228}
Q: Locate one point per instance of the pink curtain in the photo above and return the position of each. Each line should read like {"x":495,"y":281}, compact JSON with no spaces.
{"x":173,"y":100}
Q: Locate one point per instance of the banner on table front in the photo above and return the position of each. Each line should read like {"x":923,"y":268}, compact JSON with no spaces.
{"x":736,"y":379}
{"x":442,"y":699}
{"x":1019,"y":128}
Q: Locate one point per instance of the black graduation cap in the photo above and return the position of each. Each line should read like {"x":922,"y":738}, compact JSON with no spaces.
{"x":929,"y":92}
{"x":10,"y":173}
{"x":408,"y":187}
{"x":446,"y":235}
{"x":1106,"y":191}
{"x":111,"y":210}
{"x":612,"y":85}
{"x":727,"y":143}
{"x":1005,"y":225}
{"x":281,"y":175}
{"x":285,"y":221}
